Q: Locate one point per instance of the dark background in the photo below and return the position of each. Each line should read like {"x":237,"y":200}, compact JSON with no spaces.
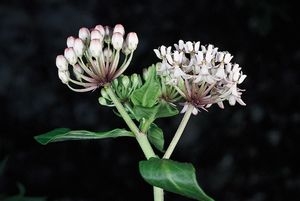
{"x":240,"y":153}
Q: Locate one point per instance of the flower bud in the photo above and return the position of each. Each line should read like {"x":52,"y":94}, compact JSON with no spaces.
{"x":117,"y":40}
{"x":64,"y":76}
{"x":125,"y":81}
{"x":104,"y":94}
{"x":107,"y":53}
{"x":100,"y":29}
{"x":108,"y":34}
{"x":115,"y":83}
{"x":102,"y":101}
{"x":134,"y":80}
{"x":95,"y":34}
{"x":70,"y":56}
{"x":70,"y":41}
{"x":125,"y":49}
{"x":79,"y":47}
{"x":119,"y":29}
{"x":145,"y":73}
{"x":84,"y":34}
{"x":132,"y":41}
{"x":95,"y":48}
{"x":77,"y":70}
{"x":61,"y":63}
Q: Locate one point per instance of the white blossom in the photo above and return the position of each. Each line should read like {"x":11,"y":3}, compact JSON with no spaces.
{"x":202,"y":76}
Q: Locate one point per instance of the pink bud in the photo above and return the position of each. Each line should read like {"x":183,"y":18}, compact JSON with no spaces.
{"x":70,"y":41}
{"x":61,"y":63}
{"x":64,"y":76}
{"x":119,"y":29}
{"x":132,"y":41}
{"x":84,"y":34}
{"x":100,"y":29}
{"x":117,"y":40}
{"x":95,"y":34}
{"x":95,"y":48}
{"x":79,"y":47}
{"x":70,"y":56}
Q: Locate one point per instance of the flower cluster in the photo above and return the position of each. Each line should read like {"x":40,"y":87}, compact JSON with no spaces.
{"x":201,"y":74}
{"x":95,"y":56}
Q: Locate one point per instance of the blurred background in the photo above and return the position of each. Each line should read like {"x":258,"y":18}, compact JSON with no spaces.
{"x":240,"y":153}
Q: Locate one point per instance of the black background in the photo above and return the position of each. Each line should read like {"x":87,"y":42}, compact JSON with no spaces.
{"x":240,"y":153}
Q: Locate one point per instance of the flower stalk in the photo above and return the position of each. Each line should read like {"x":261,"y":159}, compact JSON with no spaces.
{"x":179,"y":131}
{"x":140,"y":137}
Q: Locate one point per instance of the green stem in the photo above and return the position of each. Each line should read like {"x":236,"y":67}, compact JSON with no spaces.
{"x":158,"y":194}
{"x":179,"y":132}
{"x":140,"y":137}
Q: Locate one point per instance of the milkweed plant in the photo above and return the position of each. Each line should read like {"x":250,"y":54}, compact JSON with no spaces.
{"x":188,"y":77}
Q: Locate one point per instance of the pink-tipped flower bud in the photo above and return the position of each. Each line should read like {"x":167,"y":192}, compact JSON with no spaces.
{"x":84,"y":34}
{"x":61,"y":63}
{"x":100,"y":28}
{"x":70,"y":55}
{"x":119,"y":29}
{"x":70,"y":41}
{"x":79,"y":47}
{"x":107,"y":53}
{"x":132,"y":41}
{"x":64,"y":76}
{"x":78,"y":71}
{"x":117,"y":40}
{"x":95,"y":34}
{"x":95,"y":48}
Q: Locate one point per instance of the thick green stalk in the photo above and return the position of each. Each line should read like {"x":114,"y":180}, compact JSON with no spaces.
{"x":158,"y":194}
{"x":140,"y":137}
{"x":179,"y":132}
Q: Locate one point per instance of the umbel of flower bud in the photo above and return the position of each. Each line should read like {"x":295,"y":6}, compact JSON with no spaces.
{"x":124,"y":86}
{"x":94,"y":57}
{"x":201,"y":74}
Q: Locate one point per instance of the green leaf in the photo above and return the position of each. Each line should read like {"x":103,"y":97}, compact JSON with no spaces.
{"x":147,"y":95}
{"x":156,"y":137}
{"x":166,"y":110}
{"x":141,"y":112}
{"x":173,"y":176}
{"x":64,"y":134}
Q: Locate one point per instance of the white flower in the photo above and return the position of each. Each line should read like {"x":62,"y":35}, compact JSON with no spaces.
{"x":203,"y":77}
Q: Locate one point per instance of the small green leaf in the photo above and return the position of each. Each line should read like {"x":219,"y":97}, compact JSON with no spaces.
{"x":147,"y":95}
{"x":64,"y":134}
{"x":156,"y":137}
{"x":166,"y":110}
{"x":173,"y":176}
{"x":141,"y":112}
